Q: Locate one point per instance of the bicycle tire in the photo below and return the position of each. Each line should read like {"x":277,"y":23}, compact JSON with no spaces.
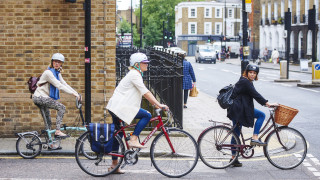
{"x":176,"y":164}
{"x":29,"y":146}
{"x":98,"y":166}
{"x":283,"y":158}
{"x":211,"y":152}
{"x":85,"y":147}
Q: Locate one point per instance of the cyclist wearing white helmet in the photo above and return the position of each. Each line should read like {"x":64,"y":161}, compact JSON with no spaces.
{"x":242,"y":110}
{"x":47,"y":93}
{"x":126,"y":101}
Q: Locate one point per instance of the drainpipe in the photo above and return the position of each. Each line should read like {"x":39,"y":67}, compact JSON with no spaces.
{"x":87,"y":9}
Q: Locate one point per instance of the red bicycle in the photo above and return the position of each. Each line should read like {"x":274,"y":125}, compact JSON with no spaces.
{"x":173,"y":151}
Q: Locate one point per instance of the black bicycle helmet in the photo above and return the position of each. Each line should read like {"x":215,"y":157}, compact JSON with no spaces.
{"x":251,"y":67}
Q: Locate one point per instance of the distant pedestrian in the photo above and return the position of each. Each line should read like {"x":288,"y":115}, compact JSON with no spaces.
{"x":275,"y":56}
{"x":188,"y":78}
{"x":265,"y":54}
{"x":241,"y":53}
{"x":242,"y":110}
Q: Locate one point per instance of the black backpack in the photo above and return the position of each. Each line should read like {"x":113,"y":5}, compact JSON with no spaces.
{"x":224,"y":97}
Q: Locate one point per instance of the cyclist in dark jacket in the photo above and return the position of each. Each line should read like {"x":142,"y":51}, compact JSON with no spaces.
{"x":242,"y":110}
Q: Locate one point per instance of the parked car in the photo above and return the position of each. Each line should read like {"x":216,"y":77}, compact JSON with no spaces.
{"x":158,"y":47}
{"x":176,"y":50}
{"x":205,"y":53}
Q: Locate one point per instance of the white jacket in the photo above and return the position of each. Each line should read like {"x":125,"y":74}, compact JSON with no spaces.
{"x":126,"y":99}
{"x":48,"y":76}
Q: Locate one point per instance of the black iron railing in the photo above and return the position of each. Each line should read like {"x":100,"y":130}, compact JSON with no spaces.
{"x":163,"y":78}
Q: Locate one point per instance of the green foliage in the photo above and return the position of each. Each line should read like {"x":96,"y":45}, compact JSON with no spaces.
{"x":124,"y":26}
{"x":154,"y":13}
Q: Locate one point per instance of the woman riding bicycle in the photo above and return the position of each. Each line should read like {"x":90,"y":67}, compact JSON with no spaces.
{"x":126,"y":100}
{"x":242,"y":110}
{"x":47,"y":94}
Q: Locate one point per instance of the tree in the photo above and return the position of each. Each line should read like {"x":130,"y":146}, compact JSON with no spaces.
{"x":159,"y":10}
{"x":152,"y":34}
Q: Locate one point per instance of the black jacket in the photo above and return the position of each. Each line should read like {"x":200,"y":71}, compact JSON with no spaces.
{"x":242,"y":109}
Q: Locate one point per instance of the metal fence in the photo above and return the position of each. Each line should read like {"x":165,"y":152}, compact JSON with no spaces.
{"x":163,"y":78}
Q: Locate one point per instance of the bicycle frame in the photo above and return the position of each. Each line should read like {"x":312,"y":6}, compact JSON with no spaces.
{"x":160,"y":125}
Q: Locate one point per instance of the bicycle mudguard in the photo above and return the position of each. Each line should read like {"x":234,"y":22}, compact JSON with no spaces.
{"x":30,"y":132}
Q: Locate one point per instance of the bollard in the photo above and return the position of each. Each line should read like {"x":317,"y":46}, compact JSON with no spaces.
{"x":283,"y":69}
{"x":244,"y":65}
{"x":316,"y":73}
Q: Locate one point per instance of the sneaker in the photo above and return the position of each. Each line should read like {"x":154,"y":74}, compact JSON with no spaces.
{"x":236,"y":163}
{"x":257,"y":142}
{"x":185,"y":106}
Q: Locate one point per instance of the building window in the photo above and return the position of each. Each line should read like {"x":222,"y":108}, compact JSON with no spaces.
{"x":192,"y":28}
{"x":218,"y":13}
{"x":192,"y":13}
{"x":230,"y":13}
{"x":218,"y":28}
{"x":207,"y":28}
{"x":207,"y":13}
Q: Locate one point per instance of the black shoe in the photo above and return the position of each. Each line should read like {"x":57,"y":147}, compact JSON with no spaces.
{"x":236,"y":163}
{"x":257,"y":142}
{"x":184,"y":106}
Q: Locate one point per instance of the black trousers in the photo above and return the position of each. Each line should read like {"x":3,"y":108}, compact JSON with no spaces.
{"x":185,"y":95}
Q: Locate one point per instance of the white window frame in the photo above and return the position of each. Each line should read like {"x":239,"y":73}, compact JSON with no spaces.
{"x":232,"y":13}
{"x":219,"y":15}
{"x":216,"y":28}
{"x":209,"y":24}
{"x":210,"y":12}
{"x":189,"y":12}
{"x":189,"y":27}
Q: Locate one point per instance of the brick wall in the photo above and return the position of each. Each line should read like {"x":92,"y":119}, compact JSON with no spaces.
{"x":30,"y":32}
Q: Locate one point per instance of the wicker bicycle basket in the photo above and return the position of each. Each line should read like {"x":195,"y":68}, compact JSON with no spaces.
{"x":285,"y":114}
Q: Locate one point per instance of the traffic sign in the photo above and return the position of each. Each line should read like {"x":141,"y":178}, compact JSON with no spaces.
{"x":317,"y":67}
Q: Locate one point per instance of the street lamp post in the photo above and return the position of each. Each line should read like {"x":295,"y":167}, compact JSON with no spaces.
{"x":131,"y":27}
{"x":140,"y":23}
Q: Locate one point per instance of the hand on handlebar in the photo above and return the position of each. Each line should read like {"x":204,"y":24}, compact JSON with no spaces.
{"x":272,"y":104}
{"x":164,"y":107}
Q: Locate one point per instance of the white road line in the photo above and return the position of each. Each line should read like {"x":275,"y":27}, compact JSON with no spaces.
{"x":307,"y":164}
{"x":212,"y":68}
{"x":225,"y":70}
{"x":312,"y":169}
{"x":309,"y":89}
{"x":283,"y":84}
{"x":316,"y":173}
{"x":310,"y":155}
{"x":201,"y":69}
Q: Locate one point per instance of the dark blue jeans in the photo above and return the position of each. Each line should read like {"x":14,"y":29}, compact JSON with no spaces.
{"x":144,"y":117}
{"x":257,"y":126}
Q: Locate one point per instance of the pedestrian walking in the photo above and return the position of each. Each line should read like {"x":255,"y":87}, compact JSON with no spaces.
{"x":241,"y":53}
{"x":275,"y":56}
{"x":48,"y":92}
{"x":188,"y":78}
{"x":242,"y":110}
{"x":265,"y":54}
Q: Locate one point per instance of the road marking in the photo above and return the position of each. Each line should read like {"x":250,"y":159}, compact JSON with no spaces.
{"x":307,"y":164}
{"x":212,"y":68}
{"x":312,"y":169}
{"x":309,"y":89}
{"x":316,"y":173}
{"x":310,"y":155}
{"x":201,"y":69}
{"x":283,"y":84}
{"x":225,"y":70}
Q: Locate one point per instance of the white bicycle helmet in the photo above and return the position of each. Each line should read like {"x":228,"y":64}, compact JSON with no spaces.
{"x":137,"y":58}
{"x":58,"y":56}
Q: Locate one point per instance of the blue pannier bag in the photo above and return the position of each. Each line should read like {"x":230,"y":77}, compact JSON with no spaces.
{"x":101,"y":136}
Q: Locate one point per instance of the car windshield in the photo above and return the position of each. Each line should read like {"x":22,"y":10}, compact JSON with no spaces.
{"x":206,"y":50}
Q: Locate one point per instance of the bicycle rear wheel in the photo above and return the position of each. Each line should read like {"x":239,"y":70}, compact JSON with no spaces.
{"x":178,"y":163}
{"x":288,"y":154}
{"x":95,"y":164}
{"x":29,"y":146}
{"x":215,"y":147}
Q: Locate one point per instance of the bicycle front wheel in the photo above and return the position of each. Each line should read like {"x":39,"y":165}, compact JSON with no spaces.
{"x":286,"y":151}
{"x":216,"y":147}
{"x":95,"y":164}
{"x":29,"y":146}
{"x":177,"y":158}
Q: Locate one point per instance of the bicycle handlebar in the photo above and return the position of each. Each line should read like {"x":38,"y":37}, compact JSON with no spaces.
{"x":78,"y":102}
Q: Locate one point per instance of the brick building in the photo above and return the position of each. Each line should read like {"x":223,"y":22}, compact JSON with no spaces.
{"x":273,"y":35}
{"x":196,"y":22}
{"x":30,"y":32}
